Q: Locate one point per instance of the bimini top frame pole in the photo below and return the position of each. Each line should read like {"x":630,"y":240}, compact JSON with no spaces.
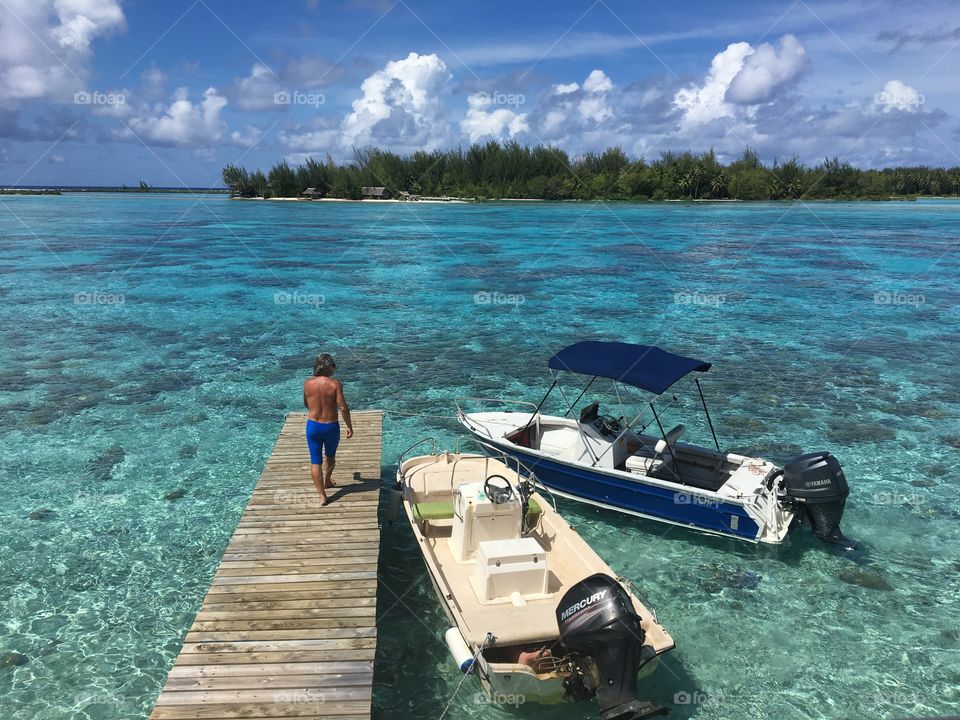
{"x":574,"y":403}
{"x":705,"y":410}
{"x":533,"y":416}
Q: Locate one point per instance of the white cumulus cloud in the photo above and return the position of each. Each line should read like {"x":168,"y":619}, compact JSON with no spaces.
{"x":247,"y":137}
{"x":572,"y":109}
{"x":595,"y":104}
{"x":481,"y":122}
{"x":316,"y":136}
{"x":45,"y":45}
{"x":597,"y":82}
{"x":401,"y":106}
{"x":741,"y":75}
{"x":702,"y":103}
{"x":766,"y":70}
{"x":257,"y":91}
{"x":183,"y":122}
{"x":897,"y":95}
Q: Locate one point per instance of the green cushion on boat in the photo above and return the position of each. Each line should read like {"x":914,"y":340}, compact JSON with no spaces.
{"x":425,"y":511}
{"x":432,"y":511}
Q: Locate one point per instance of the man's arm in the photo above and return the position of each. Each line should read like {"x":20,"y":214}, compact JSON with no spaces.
{"x":344,"y":410}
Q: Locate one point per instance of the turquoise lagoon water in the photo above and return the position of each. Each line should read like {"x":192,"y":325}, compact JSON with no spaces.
{"x":151,"y":346}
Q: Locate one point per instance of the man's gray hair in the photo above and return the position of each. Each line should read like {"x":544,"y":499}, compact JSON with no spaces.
{"x":323,"y":364}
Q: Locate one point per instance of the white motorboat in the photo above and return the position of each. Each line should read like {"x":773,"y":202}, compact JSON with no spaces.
{"x":534,"y":612}
{"x":614,"y":463}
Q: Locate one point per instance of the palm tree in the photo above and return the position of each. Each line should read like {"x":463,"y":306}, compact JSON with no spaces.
{"x":718,"y":188}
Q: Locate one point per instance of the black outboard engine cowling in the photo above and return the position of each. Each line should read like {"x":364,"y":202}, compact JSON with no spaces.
{"x":816,"y":483}
{"x":597,"y":620}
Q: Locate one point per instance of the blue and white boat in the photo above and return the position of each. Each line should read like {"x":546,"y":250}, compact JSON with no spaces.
{"x":612,"y":462}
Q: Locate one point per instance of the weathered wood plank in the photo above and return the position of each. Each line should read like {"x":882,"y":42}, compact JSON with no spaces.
{"x":278,"y":614}
{"x":353,"y":710}
{"x":305,"y":695}
{"x":221,"y":625}
{"x":304,"y":668}
{"x":276,"y":656}
{"x":273,"y":635}
{"x":253,"y":646}
{"x":268,"y":681}
{"x":286,"y":603}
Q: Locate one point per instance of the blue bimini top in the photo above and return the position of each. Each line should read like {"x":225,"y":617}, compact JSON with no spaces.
{"x":644,"y":366}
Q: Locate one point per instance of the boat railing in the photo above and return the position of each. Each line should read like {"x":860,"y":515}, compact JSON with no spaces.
{"x":454,"y":489}
{"x":418,"y":443}
{"x":462,"y":415}
{"x":465,"y":439}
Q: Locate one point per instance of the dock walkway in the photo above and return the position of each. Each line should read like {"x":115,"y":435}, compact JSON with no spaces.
{"x":288,"y":627}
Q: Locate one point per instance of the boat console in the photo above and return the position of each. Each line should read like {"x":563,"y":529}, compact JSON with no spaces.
{"x":478,"y":518}
{"x":487,"y":533}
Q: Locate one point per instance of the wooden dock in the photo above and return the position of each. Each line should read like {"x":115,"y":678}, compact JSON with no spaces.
{"x":288,"y":627}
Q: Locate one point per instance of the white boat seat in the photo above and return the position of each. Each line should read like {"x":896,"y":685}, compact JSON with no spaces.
{"x":660,"y":460}
{"x":646,"y":465}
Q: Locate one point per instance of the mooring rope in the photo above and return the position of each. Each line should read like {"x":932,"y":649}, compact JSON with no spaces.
{"x":490,"y":639}
{"x":423,"y":415}
{"x":455,"y":693}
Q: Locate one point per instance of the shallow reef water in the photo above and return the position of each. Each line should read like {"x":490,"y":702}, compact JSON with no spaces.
{"x":152,"y":344}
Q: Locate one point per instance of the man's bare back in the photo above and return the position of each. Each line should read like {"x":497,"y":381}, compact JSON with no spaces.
{"x":323,"y":396}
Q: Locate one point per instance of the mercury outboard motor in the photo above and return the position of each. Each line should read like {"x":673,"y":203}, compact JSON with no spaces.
{"x":816,"y":483}
{"x":601,"y":631}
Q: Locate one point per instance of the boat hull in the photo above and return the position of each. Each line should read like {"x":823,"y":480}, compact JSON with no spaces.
{"x":678,"y":505}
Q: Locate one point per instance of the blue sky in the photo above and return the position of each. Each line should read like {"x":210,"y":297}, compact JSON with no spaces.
{"x":115,"y":91}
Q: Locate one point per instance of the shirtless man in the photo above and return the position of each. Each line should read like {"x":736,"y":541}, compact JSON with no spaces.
{"x":322,"y":395}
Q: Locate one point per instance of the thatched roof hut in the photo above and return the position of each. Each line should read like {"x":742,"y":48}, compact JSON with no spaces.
{"x":376,"y":193}
{"x":311,"y":194}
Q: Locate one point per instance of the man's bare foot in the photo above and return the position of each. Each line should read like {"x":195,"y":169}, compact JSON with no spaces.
{"x":331,"y":482}
{"x":324,"y":501}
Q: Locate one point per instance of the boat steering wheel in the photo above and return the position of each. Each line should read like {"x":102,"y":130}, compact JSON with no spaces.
{"x":610,"y":424}
{"x":499,"y":492}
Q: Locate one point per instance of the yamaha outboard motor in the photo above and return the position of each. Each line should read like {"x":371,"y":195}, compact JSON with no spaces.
{"x":816,"y":483}
{"x":601,"y":630}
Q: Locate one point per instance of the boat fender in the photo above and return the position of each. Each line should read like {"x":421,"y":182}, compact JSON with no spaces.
{"x":459,"y":650}
{"x":393,"y":505}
